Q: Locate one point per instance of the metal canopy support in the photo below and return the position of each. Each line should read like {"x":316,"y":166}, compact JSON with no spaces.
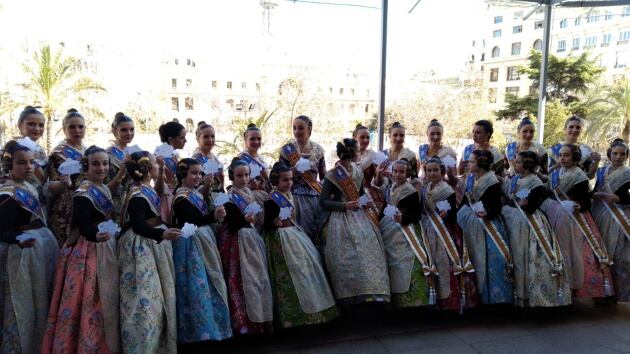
{"x":381,"y":99}
{"x":542,"y":95}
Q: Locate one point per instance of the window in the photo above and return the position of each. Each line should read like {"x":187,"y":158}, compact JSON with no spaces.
{"x":590,"y":41}
{"x":624,"y":37}
{"x":538,"y":25}
{"x":214,"y":84}
{"x":592,"y":18}
{"x":576,"y":43}
{"x":496,"y":34}
{"x":533,"y":90}
{"x":626,"y":11}
{"x":188,"y":103}
{"x":622,"y":59}
{"x":606,"y":39}
{"x":511,"y":92}
{"x":229,"y":85}
{"x":352,"y":93}
{"x":518,"y":14}
{"x":257,"y":87}
{"x":498,"y":19}
{"x":496,"y":51}
{"x":483,"y":56}
{"x":537,"y":44}
{"x":190,"y":125}
{"x":352,"y":108}
{"x":517,"y":29}
{"x":562,"y":45}
{"x":564,"y":23}
{"x":341,"y":91}
{"x":494,"y":74}
{"x":188,"y":82}
{"x":492,"y":95}
{"x":330,"y":90}
{"x":243,"y":85}
{"x":174,"y":103}
{"x":516,"y":48}
{"x":578,"y":21}
{"x":512,"y":73}
{"x":174,"y":83}
{"x":609,"y":16}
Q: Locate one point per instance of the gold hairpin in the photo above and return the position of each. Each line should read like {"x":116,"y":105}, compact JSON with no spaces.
{"x":138,"y":173}
{"x":144,"y":158}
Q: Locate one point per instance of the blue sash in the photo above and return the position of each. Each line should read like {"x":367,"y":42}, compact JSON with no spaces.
{"x":511,"y":151}
{"x":171,"y":164}
{"x":26,"y":200}
{"x":601,"y":177}
{"x":240,"y":202}
{"x":100,"y":200}
{"x":280,"y":199}
{"x":513,"y":183}
{"x":467,"y":151}
{"x":72,"y":153}
{"x":249,"y":159}
{"x":199,"y":203}
{"x":555,"y":178}
{"x":470,"y":183}
{"x":152,"y":196}
{"x":288,"y":150}
{"x":117,"y":153}
{"x":201,"y":158}
{"x":422,"y":152}
{"x":555,"y":150}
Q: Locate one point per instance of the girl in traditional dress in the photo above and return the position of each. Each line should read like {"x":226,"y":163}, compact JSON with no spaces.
{"x":243,"y":256}
{"x":412,"y":271}
{"x":306,"y":188}
{"x":253,"y":142}
{"x":28,"y":251}
{"x":365,"y":155}
{"x":539,"y":274}
{"x":435,"y":133}
{"x":202,"y":300}
{"x":353,"y":249}
{"x":585,"y":255}
{"x":484,"y":231}
{"x":31,"y":123}
{"x":481,"y":134}
{"x":589,"y":160}
{"x":301,"y":292}
{"x":526,"y":142}
{"x":612,"y":214}
{"x":456,"y":279}
{"x":147,"y":275}
{"x":173,"y":134}
{"x":60,"y":187}
{"x":84,"y":310}
{"x":203,"y":153}
{"x":397,"y":151}
{"x":117,"y":181}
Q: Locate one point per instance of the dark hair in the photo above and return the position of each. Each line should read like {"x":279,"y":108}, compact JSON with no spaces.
{"x":305,"y":119}
{"x":394,"y":126}
{"x":436,"y":160}
{"x":201,"y":126}
{"x":72,"y":113}
{"x":139,"y":165}
{"x":170,"y":130}
{"x":10,"y":148}
{"x":357,"y":129}
{"x":120,"y":117}
{"x":276,"y":170}
{"x":573,"y":118}
{"x":405,"y":163}
{"x":530,"y":160}
{"x":236,"y":162}
{"x":182,"y":169}
{"x":487,"y":126}
{"x":617,"y":143}
{"x":576,"y":153}
{"x":27,"y":111}
{"x":347,"y":149}
{"x":484,"y":159}
{"x":251,"y":127}
{"x":435,"y":123}
{"x":93,"y":149}
{"x":524,"y":122}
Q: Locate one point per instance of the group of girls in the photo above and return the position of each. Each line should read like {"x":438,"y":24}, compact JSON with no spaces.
{"x":289,"y":243}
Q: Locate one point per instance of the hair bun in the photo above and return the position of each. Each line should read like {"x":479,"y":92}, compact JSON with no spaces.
{"x":29,"y":107}
{"x":72,"y":110}
{"x":119,"y":115}
{"x":201,"y":123}
{"x":434,"y":120}
{"x":251,"y":125}
{"x":618,"y":140}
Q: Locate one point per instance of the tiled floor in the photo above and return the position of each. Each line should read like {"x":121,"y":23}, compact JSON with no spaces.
{"x":581,"y":328}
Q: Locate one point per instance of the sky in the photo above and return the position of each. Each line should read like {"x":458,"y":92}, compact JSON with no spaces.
{"x":436,"y":36}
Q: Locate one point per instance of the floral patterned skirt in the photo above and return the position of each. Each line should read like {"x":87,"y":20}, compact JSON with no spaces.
{"x":83,"y":315}
{"x":594,"y":275}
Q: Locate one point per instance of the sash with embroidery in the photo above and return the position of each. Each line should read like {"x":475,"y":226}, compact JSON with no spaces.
{"x":249,"y":159}
{"x":511,"y":150}
{"x":117,"y":153}
{"x":71,"y":153}
{"x":145,"y":192}
{"x":619,"y":215}
{"x":423,"y":150}
{"x":194,"y":199}
{"x":555,"y":150}
{"x":470,"y":183}
{"x":467,"y":151}
{"x":101,"y":201}
{"x":492,"y":231}
{"x":351,"y":191}
{"x":171,"y":164}
{"x":459,"y":265}
{"x":423,"y":254}
{"x":282,"y":201}
{"x":240,"y":202}
{"x":26,"y":200}
{"x":290,"y":152}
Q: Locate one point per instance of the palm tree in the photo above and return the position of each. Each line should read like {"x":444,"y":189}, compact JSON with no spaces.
{"x":232,"y":148}
{"x":52,"y":79}
{"x":609,"y":111}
